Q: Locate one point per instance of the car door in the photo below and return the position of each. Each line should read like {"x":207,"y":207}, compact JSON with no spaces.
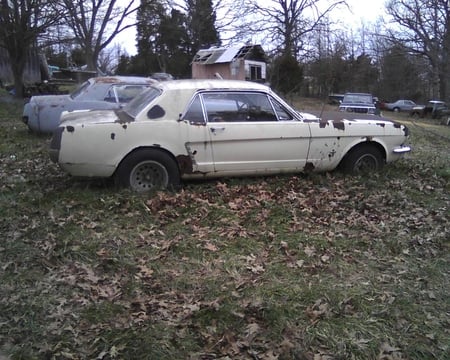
{"x":251,"y":132}
{"x":198,"y":144}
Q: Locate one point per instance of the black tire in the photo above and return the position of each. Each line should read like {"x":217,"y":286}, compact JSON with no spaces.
{"x":363,"y":159}
{"x":396,"y":109}
{"x":148,"y":170}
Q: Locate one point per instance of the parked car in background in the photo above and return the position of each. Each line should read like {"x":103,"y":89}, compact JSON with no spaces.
{"x":335,"y":99}
{"x":184,"y":129}
{"x":42,"y":113}
{"x":400,"y":105}
{"x":361,"y":103}
{"x":434,"y":109}
{"x":161,"y":76}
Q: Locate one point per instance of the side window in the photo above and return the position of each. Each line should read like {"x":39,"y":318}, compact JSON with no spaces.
{"x":110,"y":95}
{"x":282,"y":114}
{"x":221,"y":107}
{"x":260,"y":108}
{"x":194,"y":114}
{"x":238,"y":107}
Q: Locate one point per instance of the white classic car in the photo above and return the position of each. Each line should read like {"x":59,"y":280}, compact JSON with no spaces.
{"x":42,"y":113}
{"x":185,"y":129}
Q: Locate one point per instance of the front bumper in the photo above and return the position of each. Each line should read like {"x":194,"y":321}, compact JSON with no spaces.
{"x":402,"y":149}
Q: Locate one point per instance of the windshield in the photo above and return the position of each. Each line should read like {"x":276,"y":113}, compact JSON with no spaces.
{"x":135,"y":106}
{"x":358,"y":99}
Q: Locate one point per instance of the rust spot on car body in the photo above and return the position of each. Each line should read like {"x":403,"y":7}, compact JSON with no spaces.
{"x":70,"y":128}
{"x":107,"y":80}
{"x":120,"y":80}
{"x":338,"y":124}
{"x":309,"y":167}
{"x":382,"y":124}
{"x":123,"y":117}
{"x":185,"y":164}
{"x":113,"y":136}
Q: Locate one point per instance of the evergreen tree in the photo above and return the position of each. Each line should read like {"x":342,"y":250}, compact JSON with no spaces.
{"x":162,"y":41}
{"x":400,"y":75}
{"x":149,"y":17}
{"x":286,"y":74}
{"x":201,"y":25}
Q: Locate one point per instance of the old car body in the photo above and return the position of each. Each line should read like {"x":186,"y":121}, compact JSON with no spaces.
{"x":400,"y":105}
{"x":42,"y":113}
{"x":435,"y":109}
{"x":361,"y":103}
{"x":185,"y":129}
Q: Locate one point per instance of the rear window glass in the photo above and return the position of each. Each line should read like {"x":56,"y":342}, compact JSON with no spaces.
{"x":358,"y":99}
{"x":135,"y":106}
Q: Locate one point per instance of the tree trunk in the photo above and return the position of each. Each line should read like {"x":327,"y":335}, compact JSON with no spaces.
{"x":17,"y":68}
{"x":91,"y":59}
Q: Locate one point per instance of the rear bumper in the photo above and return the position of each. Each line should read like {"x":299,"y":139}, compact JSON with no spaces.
{"x":55,"y":144}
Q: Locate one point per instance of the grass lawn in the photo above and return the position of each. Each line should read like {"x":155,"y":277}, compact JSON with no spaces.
{"x":317,"y":267}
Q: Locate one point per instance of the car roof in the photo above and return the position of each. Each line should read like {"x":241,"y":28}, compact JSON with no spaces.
{"x":353,"y":93}
{"x":122,"y":80}
{"x":210,"y":84}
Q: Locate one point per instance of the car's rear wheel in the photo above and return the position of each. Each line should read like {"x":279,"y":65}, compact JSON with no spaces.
{"x":396,"y":109}
{"x":363,"y":159}
{"x":147,"y":170}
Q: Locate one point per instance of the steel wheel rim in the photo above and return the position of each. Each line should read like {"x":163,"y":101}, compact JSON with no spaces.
{"x":366,"y":163}
{"x":149,"y":175}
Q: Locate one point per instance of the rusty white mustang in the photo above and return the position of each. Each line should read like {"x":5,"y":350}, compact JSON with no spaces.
{"x":186,"y":129}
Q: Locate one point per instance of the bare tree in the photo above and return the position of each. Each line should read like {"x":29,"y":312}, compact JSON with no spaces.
{"x":95,"y":23}
{"x":423,"y":28}
{"x":22,"y":22}
{"x":286,"y":23}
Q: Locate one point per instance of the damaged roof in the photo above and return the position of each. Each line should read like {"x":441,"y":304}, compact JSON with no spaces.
{"x":215,"y":55}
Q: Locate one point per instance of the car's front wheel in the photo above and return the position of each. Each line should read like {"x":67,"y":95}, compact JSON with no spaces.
{"x":363,"y":159}
{"x":147,"y":170}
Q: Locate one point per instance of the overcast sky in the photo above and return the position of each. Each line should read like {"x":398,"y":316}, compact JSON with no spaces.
{"x":360,"y":11}
{"x":366,"y":10}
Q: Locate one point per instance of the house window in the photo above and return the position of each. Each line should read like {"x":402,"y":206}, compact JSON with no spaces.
{"x":255,"y":72}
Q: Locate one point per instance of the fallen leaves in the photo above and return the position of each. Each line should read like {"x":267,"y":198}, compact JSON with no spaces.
{"x":310,"y":267}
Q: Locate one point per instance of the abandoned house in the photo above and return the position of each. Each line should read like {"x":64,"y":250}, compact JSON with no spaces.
{"x":234,"y":63}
